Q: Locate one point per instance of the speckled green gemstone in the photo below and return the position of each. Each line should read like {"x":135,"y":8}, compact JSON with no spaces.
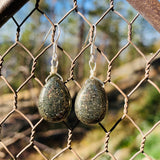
{"x":54,"y":100}
{"x":91,"y":102}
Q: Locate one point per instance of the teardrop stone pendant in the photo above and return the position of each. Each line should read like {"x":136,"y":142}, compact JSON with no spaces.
{"x":91,"y":103}
{"x":54,"y":100}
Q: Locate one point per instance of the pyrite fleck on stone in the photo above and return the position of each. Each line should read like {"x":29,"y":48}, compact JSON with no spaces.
{"x":54,"y":100}
{"x":91,"y":102}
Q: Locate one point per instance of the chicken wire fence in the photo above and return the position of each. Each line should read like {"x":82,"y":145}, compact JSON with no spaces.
{"x":32,"y":144}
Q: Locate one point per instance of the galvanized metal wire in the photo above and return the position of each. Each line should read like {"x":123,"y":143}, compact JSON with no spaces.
{"x":73,"y":61}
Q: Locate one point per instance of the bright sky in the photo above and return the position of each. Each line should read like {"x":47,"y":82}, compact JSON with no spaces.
{"x":8,"y":30}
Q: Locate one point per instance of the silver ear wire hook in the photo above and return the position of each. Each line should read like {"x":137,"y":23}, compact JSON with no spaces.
{"x":54,"y":61}
{"x":92,"y":61}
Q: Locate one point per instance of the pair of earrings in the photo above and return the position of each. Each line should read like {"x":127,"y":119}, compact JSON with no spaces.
{"x":55,"y":101}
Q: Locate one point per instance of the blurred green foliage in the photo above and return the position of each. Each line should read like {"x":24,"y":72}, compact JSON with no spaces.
{"x":151,"y":110}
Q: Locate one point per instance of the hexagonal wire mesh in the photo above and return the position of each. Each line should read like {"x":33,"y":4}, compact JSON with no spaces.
{"x":73,"y":61}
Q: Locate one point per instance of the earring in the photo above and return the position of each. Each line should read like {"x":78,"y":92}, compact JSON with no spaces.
{"x":54,"y":100}
{"x":91,"y":102}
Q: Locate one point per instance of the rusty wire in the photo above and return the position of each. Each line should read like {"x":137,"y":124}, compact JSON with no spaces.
{"x":73,"y":62}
